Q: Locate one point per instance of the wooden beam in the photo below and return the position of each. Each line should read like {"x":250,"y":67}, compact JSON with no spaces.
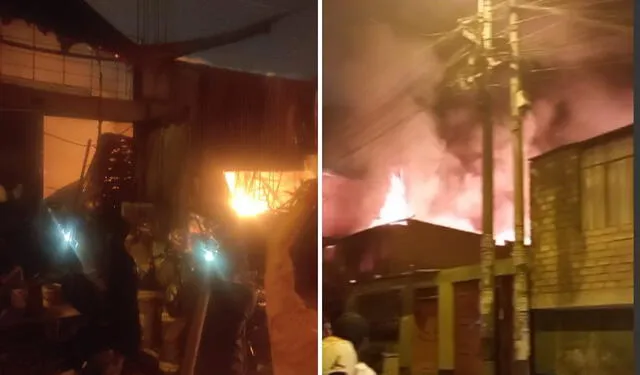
{"x":53,"y":103}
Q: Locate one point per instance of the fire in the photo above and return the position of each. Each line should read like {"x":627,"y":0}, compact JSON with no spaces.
{"x":395,"y":208}
{"x":254,"y":193}
{"x":245,"y":201}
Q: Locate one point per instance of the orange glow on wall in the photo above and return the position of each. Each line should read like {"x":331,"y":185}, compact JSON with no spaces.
{"x":65,"y":142}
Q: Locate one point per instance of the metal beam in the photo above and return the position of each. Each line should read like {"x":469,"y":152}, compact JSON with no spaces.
{"x":52,"y":103}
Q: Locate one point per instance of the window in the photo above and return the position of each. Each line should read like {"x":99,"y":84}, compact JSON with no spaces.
{"x":607,"y":185}
{"x":620,"y":192}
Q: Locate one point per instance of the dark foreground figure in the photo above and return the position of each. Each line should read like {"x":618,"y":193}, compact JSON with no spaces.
{"x":105,"y":292}
{"x":224,"y":348}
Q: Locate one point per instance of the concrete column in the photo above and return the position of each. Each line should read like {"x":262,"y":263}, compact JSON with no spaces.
{"x":445,"y":328}
{"x":408,"y":299}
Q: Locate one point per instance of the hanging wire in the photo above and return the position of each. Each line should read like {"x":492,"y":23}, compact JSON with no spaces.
{"x":100,"y":93}
{"x":381,"y":130}
{"x":1,"y":48}
{"x":138,"y":21}
{"x":66,"y":140}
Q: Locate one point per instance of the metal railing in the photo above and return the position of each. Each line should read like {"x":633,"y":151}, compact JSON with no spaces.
{"x":30,"y":58}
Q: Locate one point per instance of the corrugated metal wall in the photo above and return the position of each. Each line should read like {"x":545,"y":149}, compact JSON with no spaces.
{"x":250,"y":120}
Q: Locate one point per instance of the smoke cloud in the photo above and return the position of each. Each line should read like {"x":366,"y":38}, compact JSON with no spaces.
{"x":385,"y":111}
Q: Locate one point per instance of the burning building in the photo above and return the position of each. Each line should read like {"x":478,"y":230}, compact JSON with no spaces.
{"x":388,"y":267}
{"x":581,"y":269}
{"x":67,"y":74}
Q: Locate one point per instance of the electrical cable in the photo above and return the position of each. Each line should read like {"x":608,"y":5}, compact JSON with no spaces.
{"x":395,"y":93}
{"x":384,"y":130}
{"x":66,"y":140}
{"x":582,"y":66}
{"x":575,"y":17}
{"x":399,"y":88}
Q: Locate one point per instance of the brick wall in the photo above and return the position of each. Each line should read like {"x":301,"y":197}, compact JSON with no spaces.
{"x":582,"y":257}
{"x":584,"y":342}
{"x":571,"y":266}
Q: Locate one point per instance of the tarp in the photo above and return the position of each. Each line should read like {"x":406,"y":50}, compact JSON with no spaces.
{"x":75,"y":21}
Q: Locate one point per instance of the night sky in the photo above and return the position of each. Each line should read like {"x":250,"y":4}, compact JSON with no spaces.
{"x":290,"y":50}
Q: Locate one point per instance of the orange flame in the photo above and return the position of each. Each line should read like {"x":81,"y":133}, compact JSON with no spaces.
{"x":245,"y":201}
{"x":395,"y":209}
{"x":253,"y":193}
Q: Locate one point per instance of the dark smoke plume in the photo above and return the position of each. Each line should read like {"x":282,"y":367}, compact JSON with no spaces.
{"x":386,"y":65}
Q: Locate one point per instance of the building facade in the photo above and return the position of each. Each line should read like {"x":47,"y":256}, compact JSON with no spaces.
{"x":60,"y":80}
{"x":63,"y":97}
{"x":389,"y":268}
{"x":582,"y":257}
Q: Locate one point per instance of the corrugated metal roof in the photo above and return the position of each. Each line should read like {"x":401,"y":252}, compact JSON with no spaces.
{"x":76,"y":21}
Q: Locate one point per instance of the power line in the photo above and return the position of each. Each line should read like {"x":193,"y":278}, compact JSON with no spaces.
{"x":575,"y":17}
{"x":582,"y":66}
{"x":396,"y":93}
{"x":384,"y":130}
{"x":66,"y":140}
{"x":400,"y":87}
{"x":71,"y":142}
{"x":126,"y":130}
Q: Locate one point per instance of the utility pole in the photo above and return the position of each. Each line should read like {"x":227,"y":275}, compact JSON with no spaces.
{"x":487,"y":247}
{"x":521,"y":342}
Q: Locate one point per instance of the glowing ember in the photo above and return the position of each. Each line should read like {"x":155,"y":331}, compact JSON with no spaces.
{"x":395,"y":209}
{"x":244,"y":201}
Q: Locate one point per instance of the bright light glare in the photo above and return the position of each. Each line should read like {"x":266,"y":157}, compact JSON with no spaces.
{"x":247,"y":206}
{"x":245,"y":203}
{"x":208,"y":256}
{"x":66,"y":235}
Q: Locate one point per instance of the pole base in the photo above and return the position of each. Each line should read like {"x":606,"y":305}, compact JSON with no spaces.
{"x":521,"y":367}
{"x":488,"y":368}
